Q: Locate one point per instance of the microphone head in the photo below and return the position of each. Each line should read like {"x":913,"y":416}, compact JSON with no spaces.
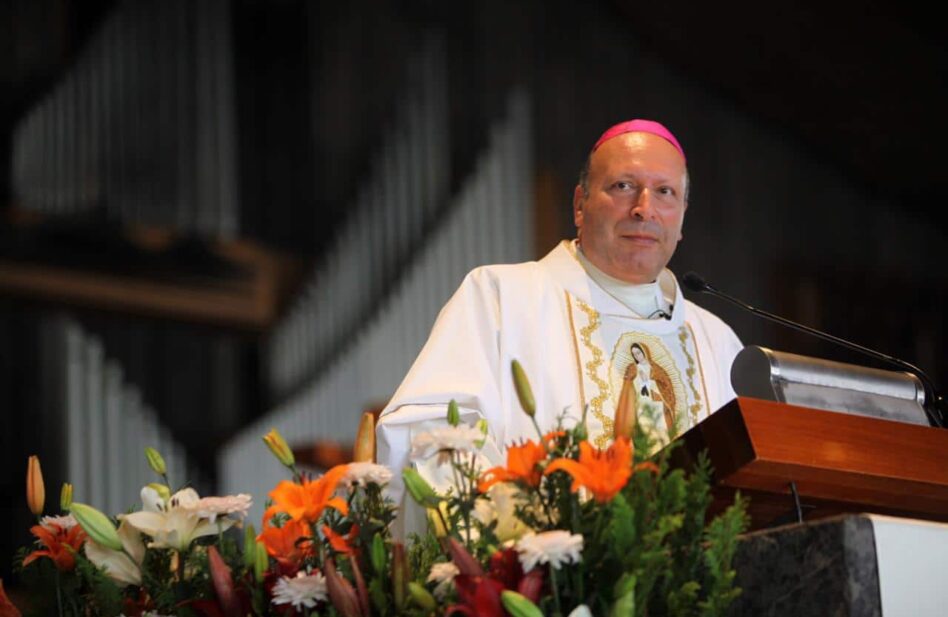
{"x":694,"y":282}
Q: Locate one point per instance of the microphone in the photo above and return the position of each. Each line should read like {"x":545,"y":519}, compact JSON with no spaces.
{"x":935,"y":403}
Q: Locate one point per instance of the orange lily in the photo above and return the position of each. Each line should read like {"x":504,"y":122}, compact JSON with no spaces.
{"x":289,"y":544}
{"x":522,"y":465}
{"x":602,"y":472}
{"x":307,"y":501}
{"x":61,"y":542}
{"x":340,"y":543}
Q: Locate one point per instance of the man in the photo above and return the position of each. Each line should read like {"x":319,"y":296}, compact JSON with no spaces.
{"x":573,"y":318}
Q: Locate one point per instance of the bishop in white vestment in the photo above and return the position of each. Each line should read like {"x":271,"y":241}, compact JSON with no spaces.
{"x":583,"y":319}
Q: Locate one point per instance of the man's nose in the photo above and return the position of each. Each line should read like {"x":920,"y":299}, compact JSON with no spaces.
{"x":642,"y":207}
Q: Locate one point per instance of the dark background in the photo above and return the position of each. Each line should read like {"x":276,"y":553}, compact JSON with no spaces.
{"x":855,"y":90}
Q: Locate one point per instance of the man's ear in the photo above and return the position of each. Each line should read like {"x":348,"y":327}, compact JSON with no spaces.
{"x":681,"y":233}
{"x":579,"y":197}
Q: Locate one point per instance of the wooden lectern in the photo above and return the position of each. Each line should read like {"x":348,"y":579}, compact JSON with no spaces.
{"x":836,"y":462}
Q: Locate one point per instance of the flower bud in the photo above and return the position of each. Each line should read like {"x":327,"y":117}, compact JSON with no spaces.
{"x":421,"y":597}
{"x":364,"y":450}
{"x":465,"y":562}
{"x":377,"y":554}
{"x":419,"y":489}
{"x":35,"y":489}
{"x":400,"y":575}
{"x":250,"y":546}
{"x":261,"y":563}
{"x":436,"y":522}
{"x":223,"y":583}
{"x":454,"y":414}
{"x":155,"y":461}
{"x":482,"y":427}
{"x":518,"y":605}
{"x":278,"y":446}
{"x":341,"y":593}
{"x":524,"y":392}
{"x":163,"y":491}
{"x":65,"y":497}
{"x":96,"y":525}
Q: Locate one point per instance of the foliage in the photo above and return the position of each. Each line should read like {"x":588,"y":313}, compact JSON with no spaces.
{"x":563,"y":528}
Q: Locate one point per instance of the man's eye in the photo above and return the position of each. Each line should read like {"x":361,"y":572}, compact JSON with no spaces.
{"x":623,"y":186}
{"x":666,"y":190}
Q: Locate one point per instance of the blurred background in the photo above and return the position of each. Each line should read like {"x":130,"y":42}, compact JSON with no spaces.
{"x":218,"y":217}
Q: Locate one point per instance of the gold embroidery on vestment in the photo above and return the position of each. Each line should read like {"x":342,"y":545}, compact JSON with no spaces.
{"x":690,"y":371}
{"x":579,"y":362}
{"x":592,"y":368}
{"x":704,"y":384}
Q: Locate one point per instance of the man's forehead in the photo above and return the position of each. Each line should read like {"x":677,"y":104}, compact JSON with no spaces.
{"x":637,"y":152}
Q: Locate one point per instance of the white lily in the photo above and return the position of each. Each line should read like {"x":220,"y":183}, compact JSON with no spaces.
{"x":124,"y":567}
{"x":175,"y":523}
{"x":501,"y":505}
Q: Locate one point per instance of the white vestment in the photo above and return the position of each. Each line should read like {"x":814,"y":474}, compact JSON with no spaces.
{"x":573,"y":340}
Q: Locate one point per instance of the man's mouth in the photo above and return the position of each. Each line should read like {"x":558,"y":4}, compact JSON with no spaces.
{"x":640,"y":238}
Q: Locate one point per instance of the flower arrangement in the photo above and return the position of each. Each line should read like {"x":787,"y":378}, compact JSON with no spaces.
{"x":563,"y":528}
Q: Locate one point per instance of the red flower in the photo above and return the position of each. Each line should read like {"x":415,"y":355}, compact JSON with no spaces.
{"x":61,"y":544}
{"x":479,"y":594}
{"x":505,"y":567}
{"x":7,"y":609}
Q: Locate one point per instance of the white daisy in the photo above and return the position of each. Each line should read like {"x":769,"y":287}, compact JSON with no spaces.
{"x":553,"y":547}
{"x":212,"y":507}
{"x":443,"y":440}
{"x":63,"y":522}
{"x":364,"y":473}
{"x":443,"y":574}
{"x":302,"y":590}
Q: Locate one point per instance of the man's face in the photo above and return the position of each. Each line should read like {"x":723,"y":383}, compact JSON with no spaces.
{"x":630,"y":222}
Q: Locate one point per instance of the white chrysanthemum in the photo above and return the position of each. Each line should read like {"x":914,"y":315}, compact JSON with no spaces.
{"x":63,"y":522}
{"x":443,"y":574}
{"x":581,"y":611}
{"x":363,"y":473}
{"x":553,"y":547}
{"x":443,"y":440}
{"x":212,"y":507}
{"x":302,"y":590}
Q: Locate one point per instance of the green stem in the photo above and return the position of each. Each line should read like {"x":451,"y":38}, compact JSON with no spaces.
{"x":462,"y":494}
{"x":539,"y":430}
{"x":181,"y":561}
{"x":59,"y":594}
{"x":556,"y":591}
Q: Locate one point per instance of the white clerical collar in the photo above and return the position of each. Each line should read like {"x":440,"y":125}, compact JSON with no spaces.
{"x":645,"y":300}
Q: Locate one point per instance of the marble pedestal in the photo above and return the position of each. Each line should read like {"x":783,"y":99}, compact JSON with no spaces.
{"x":848,"y":566}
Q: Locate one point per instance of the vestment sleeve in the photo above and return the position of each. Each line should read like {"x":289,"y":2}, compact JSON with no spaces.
{"x":460,"y":361}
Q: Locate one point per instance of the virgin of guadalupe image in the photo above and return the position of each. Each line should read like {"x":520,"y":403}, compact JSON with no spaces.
{"x":651,"y":385}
